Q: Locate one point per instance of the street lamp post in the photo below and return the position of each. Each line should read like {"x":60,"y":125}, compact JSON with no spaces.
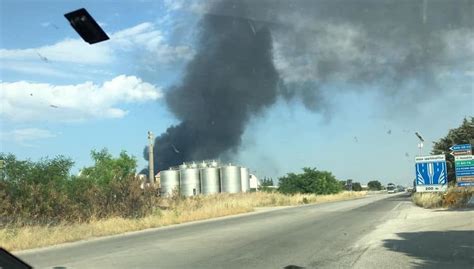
{"x":420,"y":145}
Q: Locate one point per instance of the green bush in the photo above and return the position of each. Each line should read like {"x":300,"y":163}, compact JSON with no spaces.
{"x":44,"y":192}
{"x":356,"y":186}
{"x":374,"y":185}
{"x":310,"y":181}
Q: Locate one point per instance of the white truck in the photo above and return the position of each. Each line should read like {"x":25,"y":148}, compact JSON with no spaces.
{"x":391,"y":188}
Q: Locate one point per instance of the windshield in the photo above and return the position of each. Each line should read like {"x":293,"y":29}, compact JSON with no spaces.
{"x":119,"y":116}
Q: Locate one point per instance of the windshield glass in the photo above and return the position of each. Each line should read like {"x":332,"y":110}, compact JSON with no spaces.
{"x":119,"y":116}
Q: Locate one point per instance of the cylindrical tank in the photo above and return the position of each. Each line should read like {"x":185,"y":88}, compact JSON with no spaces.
{"x":245,"y":180}
{"x":230,"y":179}
{"x":189,"y":182}
{"x":193,"y":165}
{"x":203,"y":165}
{"x":183,"y":166}
{"x":210,"y":182}
{"x":169,"y":182}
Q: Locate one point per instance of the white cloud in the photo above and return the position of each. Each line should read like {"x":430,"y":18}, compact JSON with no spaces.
{"x":195,"y":6}
{"x":146,"y":36}
{"x":26,"y":135}
{"x":143,"y":37}
{"x":68,"y":50}
{"x":23,"y":101}
{"x":37,"y":68}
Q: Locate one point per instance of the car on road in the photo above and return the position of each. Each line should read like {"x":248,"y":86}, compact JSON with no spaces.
{"x":391,"y":188}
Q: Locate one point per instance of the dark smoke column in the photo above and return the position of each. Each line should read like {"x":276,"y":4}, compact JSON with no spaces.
{"x":231,"y":79}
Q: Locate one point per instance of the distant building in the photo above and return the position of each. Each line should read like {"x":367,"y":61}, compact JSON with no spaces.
{"x":254,"y":182}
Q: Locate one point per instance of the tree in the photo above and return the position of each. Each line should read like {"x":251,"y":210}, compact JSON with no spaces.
{"x":43,"y":171}
{"x":464,"y":134}
{"x":374,"y":185}
{"x":106,"y":168}
{"x":356,"y":186}
{"x":310,"y":181}
{"x":343,"y":184}
{"x":33,"y":190}
{"x":266,"y":182}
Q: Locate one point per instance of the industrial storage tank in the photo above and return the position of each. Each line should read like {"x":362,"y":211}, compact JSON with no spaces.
{"x":210,"y":182}
{"x":230,"y":179}
{"x":189,"y":182}
{"x":245,"y":179}
{"x":169,"y":182}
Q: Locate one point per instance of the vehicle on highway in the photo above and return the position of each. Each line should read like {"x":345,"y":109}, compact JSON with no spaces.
{"x":391,"y":188}
{"x":400,"y":188}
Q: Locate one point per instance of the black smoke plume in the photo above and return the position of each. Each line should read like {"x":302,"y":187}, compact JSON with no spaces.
{"x":230,"y":79}
{"x":250,"y":52}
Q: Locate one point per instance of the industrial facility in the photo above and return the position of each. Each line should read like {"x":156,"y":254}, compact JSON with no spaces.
{"x":205,"y":177}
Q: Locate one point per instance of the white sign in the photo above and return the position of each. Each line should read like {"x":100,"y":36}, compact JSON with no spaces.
{"x":463,"y":158}
{"x":430,"y":158}
{"x":432,"y":188}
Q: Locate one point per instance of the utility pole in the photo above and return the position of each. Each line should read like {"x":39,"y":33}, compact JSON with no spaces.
{"x":151,"y":172}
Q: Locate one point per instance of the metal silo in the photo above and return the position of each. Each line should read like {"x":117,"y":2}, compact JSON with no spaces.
{"x":189,"y":182}
{"x":245,"y":180}
{"x":210,"y":182}
{"x":169,"y":182}
{"x":230,"y":179}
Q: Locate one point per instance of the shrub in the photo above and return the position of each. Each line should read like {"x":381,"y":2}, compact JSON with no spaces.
{"x":43,"y":192}
{"x":428,"y":199}
{"x":310,"y":181}
{"x":457,"y":197}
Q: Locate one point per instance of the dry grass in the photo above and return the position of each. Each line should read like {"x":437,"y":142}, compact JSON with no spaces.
{"x":428,"y":199}
{"x":455,"y":197}
{"x":178,"y":211}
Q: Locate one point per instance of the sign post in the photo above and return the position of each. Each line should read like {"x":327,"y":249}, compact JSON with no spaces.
{"x":431,"y":173}
{"x":464,"y":164}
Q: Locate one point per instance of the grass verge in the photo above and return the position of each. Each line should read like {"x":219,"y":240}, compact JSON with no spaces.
{"x":177,"y":211}
{"x":455,"y":197}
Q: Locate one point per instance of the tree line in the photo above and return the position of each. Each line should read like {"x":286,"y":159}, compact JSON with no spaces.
{"x":45,"y":192}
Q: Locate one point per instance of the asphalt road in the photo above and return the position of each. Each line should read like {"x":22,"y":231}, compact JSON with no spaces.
{"x":311,"y":236}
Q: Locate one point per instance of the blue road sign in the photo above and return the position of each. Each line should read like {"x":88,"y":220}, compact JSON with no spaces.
{"x":465,"y":169}
{"x":461,"y":147}
{"x":431,"y":173}
{"x":465,"y":184}
{"x":465,"y":173}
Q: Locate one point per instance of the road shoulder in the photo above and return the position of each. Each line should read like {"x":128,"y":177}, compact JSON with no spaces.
{"x":413,"y":237}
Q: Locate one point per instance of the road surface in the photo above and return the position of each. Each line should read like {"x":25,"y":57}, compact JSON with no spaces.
{"x":331,"y":235}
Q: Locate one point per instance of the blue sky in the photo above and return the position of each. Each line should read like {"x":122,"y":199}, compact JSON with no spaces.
{"x":110,"y":94}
